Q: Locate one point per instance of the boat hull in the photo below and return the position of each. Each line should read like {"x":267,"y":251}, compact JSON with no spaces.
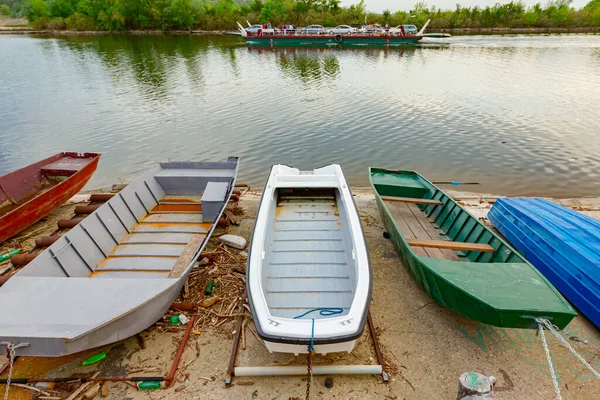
{"x":562,"y":244}
{"x":121,"y":268}
{"x":473,"y":284}
{"x":332,"y":40}
{"x":308,"y":276}
{"x":42,"y":204}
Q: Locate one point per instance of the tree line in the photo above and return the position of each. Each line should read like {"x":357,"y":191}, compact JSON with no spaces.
{"x":117,"y":15}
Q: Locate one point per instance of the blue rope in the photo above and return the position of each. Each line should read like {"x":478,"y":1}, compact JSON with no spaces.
{"x":312,"y":337}
{"x":325,"y":312}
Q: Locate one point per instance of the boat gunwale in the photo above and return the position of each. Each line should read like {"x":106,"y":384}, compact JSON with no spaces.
{"x":316,"y":340}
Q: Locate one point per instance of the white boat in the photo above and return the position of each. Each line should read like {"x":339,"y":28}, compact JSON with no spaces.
{"x":118,"y":271}
{"x":309,"y":275}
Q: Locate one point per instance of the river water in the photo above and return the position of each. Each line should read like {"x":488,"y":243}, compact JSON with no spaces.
{"x":520,"y":114}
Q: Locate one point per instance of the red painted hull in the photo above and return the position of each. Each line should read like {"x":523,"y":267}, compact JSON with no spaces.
{"x":20,"y":187}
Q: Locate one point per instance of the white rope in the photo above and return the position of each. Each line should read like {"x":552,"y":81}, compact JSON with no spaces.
{"x":549,"y":358}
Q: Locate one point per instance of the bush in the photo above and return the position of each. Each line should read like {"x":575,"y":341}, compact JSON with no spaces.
{"x":80,"y":22}
{"x":56,"y":24}
{"x":41,"y":23}
{"x":4,"y":9}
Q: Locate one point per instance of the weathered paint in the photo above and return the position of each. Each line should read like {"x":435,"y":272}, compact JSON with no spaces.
{"x":35,"y":200}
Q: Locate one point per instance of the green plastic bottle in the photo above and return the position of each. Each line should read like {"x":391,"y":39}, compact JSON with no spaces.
{"x":8,"y":255}
{"x":94,"y":359}
{"x":175,"y":319}
{"x":209,"y":288}
{"x":151,"y":385}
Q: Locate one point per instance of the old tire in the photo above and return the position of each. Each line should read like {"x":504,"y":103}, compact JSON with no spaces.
{"x":338,"y":38}
{"x":386,"y":235}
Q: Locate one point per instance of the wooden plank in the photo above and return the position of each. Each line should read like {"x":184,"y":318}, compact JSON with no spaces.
{"x":446,"y":244}
{"x":174,"y":207}
{"x":186,"y":256}
{"x":433,"y":233}
{"x":412,"y":200}
{"x":417,"y":230}
{"x":404,"y":228}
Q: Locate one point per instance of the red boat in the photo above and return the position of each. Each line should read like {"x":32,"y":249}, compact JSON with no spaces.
{"x":29,"y":194}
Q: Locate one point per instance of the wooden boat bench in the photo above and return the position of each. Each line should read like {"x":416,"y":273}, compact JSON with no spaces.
{"x":65,"y":166}
{"x":412,"y":200}
{"x":423,"y":238}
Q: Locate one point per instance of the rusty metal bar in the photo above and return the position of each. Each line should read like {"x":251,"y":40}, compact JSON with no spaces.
{"x":22,"y":259}
{"x":189,"y":307}
{"x":100,"y":197}
{"x":169,"y":378}
{"x":3,"y":280}
{"x":236,"y":344}
{"x":44,"y":241}
{"x":378,"y":354}
{"x":68,"y":223}
{"x":86,"y":209}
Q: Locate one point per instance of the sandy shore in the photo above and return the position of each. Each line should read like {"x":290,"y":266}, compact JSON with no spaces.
{"x":427,"y":346}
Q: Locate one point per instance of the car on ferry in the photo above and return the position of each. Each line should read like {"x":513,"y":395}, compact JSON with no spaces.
{"x":341,"y":30}
{"x":311,"y":30}
{"x":372,"y":29}
{"x":408,"y":30}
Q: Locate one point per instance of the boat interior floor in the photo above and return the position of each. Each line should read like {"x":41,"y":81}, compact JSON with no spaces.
{"x":415,"y":225}
{"x":156,"y":242}
{"x":307,"y":261}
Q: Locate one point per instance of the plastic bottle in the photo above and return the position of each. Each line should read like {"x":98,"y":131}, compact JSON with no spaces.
{"x":148,"y":385}
{"x":94,"y":359}
{"x":175,"y":319}
{"x":8,"y":255}
{"x":209,"y":288}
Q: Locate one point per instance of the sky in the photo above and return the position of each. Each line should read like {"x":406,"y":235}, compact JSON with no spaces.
{"x":405,"y":5}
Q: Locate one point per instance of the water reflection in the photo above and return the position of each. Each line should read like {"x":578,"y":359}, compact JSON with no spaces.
{"x":517,"y":114}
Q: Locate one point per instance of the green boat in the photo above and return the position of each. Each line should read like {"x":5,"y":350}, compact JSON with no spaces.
{"x":458,"y":261}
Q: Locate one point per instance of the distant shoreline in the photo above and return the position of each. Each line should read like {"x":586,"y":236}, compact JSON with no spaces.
{"x":453,"y":31}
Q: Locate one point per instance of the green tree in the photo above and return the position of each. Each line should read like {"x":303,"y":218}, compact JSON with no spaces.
{"x":36,"y":9}
{"x":4,"y":9}
{"x":272,"y":11}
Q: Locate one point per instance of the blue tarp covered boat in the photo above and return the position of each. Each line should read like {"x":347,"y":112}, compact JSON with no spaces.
{"x":562,"y":244}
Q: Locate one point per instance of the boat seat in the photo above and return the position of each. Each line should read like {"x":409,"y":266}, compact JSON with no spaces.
{"x":65,"y":166}
{"x":212,"y":199}
{"x":412,"y":200}
{"x":447,"y":244}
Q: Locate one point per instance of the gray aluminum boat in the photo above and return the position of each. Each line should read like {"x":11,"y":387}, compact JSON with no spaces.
{"x":118,"y":271}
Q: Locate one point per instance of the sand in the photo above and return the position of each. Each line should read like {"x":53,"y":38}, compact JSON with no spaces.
{"x":427,"y":346}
